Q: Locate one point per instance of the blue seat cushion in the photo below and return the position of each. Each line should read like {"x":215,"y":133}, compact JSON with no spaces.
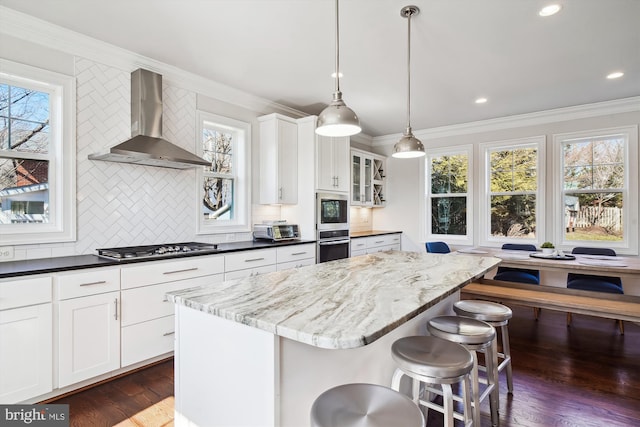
{"x":595,"y":283}
{"x":518,"y":275}
{"x":437,"y":247}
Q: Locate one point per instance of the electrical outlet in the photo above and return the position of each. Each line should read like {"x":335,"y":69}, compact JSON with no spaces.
{"x":231,"y":237}
{"x":6,"y":253}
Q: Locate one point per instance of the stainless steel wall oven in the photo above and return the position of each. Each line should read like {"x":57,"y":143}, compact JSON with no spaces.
{"x":332,"y":211}
{"x":332,"y":245}
{"x":332,"y":225}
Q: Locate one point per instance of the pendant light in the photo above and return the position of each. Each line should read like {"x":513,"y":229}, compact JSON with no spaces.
{"x":338,"y":119}
{"x":409,"y":146}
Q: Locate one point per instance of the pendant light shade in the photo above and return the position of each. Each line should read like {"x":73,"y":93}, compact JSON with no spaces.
{"x":408,"y":146}
{"x":338,"y":119}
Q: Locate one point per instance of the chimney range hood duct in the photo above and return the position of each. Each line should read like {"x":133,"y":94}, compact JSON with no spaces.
{"x":146,"y":146}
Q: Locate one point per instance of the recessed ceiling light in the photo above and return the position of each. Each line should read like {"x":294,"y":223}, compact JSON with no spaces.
{"x":481,"y":100}
{"x":615,"y":75}
{"x":552,"y":9}
{"x":334,"y":75}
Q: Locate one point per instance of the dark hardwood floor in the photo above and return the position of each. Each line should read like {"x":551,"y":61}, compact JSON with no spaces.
{"x":587,"y":375}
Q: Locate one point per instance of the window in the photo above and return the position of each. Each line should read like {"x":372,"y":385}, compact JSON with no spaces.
{"x":513,"y":175}
{"x":37,"y":170}
{"x":596,"y":187}
{"x":224,"y":187}
{"x":448,"y":198}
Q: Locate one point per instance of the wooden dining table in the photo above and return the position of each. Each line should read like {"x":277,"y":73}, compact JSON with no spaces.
{"x":622,"y":266}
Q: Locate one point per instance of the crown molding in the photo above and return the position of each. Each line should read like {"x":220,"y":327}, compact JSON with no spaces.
{"x":624,"y":105}
{"x":29,"y":28}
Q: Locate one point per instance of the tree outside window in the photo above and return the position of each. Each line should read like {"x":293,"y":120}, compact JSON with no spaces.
{"x":513,"y":186}
{"x":218,"y":178}
{"x":224,"y":186}
{"x":24,"y":155}
{"x":448,"y":198}
{"x":593,"y":188}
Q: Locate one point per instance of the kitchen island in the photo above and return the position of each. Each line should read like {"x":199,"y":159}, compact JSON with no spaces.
{"x":258,"y":351}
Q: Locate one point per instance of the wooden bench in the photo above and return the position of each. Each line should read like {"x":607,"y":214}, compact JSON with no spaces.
{"x":610,"y":306}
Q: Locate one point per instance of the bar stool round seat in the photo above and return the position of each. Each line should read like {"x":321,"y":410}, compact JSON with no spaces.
{"x":364,"y":405}
{"x":430,"y":361}
{"x":497,"y":315}
{"x":483,"y":310}
{"x":475,"y":336}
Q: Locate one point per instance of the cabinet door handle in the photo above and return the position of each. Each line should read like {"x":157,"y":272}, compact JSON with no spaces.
{"x":93,"y":283}
{"x":181,"y":271}
{"x":253,"y":259}
{"x":115,"y":303}
{"x":166,"y":334}
{"x":280,"y":193}
{"x":337,"y":181}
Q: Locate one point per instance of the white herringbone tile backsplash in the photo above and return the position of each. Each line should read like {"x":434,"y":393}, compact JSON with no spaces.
{"x":125,"y":204}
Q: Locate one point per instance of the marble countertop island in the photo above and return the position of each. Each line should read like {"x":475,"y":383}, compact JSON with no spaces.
{"x":342,"y":304}
{"x":278,"y":340}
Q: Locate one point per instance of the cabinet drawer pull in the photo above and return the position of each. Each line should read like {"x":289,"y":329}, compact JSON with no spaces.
{"x":298,"y":253}
{"x":166,"y":334}
{"x":253,"y":259}
{"x":93,"y":283}
{"x":380,"y":241}
{"x":181,"y":271}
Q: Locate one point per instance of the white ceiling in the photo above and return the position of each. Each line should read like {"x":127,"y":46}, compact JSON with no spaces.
{"x":283,"y":50}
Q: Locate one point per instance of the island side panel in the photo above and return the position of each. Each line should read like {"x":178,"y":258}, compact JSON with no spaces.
{"x":226,"y":373}
{"x":307,"y":371}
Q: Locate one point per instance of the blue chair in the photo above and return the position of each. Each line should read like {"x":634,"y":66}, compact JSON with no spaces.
{"x":588,"y":282}
{"x":437,"y":247}
{"x":520,"y":275}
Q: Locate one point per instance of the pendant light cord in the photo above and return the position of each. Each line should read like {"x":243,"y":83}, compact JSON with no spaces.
{"x":337,"y":49}
{"x":409,"y":13}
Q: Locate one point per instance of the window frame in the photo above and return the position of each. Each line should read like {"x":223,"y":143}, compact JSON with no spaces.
{"x":61,"y":155}
{"x":629,"y":243}
{"x":484,"y":226}
{"x":467,"y":239}
{"x":241,"y":176}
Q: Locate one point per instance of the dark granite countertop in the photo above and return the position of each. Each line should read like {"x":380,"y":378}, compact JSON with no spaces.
{"x":51,"y":265}
{"x":369,"y":233}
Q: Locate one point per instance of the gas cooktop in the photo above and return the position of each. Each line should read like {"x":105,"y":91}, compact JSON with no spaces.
{"x":156,"y":251}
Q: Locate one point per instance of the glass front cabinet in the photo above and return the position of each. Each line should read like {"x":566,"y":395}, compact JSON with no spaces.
{"x":367,"y":179}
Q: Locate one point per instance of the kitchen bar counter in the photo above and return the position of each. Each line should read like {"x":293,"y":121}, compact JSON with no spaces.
{"x":342,"y":304}
{"x":369,"y":233}
{"x":51,"y":265}
{"x":259,"y":350}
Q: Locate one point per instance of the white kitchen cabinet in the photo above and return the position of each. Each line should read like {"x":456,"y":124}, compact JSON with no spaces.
{"x":358,"y":246}
{"x":147,"y":316}
{"x":373,"y":244}
{"x":278,"y":160}
{"x":332,"y":164}
{"x":249,"y":263}
{"x":367,"y":179}
{"x":385,"y":242}
{"x":88,"y":323}
{"x":295,"y":256}
{"x":89,"y":337}
{"x":26,"y":330}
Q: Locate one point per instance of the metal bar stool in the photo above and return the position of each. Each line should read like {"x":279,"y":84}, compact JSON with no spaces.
{"x":364,"y":405}
{"x":497,"y":315}
{"x":430,"y":361}
{"x":474,"y":335}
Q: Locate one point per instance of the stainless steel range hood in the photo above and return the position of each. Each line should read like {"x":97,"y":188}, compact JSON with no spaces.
{"x":146,"y":146}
